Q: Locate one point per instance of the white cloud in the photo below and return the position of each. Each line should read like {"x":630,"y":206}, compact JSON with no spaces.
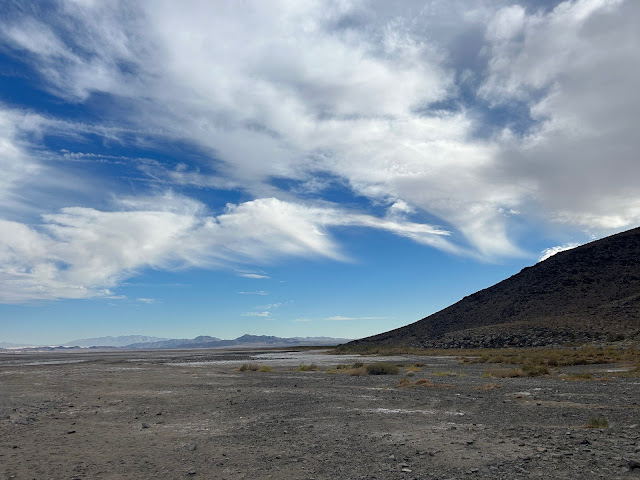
{"x":259,"y":292}
{"x":256,"y":314}
{"x":299,"y":91}
{"x":83,"y":252}
{"x":257,"y":276}
{"x":549,"y":252}
{"x":574,"y":67}
{"x":148,"y":301}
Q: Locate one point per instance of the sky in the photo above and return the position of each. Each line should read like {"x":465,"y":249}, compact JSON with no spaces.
{"x":301,"y":168}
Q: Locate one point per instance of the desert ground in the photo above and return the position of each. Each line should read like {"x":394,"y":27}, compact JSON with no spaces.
{"x":191,"y":414}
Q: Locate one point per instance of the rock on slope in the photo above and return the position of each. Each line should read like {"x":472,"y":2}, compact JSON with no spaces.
{"x":589,"y":293}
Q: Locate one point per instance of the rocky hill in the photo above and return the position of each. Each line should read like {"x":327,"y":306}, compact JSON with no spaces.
{"x":590,"y":293}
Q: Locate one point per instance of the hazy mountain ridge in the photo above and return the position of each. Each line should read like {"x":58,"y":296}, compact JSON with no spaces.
{"x":202,"y":341}
{"x":589,"y":293}
{"x":109,"y":341}
{"x":244,"y":340}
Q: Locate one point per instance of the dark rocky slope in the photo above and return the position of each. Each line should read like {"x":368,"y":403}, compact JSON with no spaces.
{"x":590,"y":293}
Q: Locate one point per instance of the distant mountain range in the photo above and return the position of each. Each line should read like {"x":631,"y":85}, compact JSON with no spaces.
{"x":142,"y":342}
{"x":121,"y":341}
{"x":589,"y":293}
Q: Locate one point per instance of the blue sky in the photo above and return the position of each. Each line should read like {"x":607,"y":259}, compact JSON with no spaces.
{"x":301,"y":168}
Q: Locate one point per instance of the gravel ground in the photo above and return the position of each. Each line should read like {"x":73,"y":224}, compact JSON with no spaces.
{"x":186,"y":414}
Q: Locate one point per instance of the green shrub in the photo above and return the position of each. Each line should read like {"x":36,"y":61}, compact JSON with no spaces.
{"x":598,"y":422}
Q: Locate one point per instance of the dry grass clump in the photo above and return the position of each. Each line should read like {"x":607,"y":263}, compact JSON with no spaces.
{"x":357,"y":372}
{"x":308,"y":368}
{"x":253,"y":367}
{"x":422,"y":382}
{"x":405,"y":382}
{"x":439,"y":373}
{"x":531,"y":370}
{"x":598,"y":422}
{"x":489,"y":386}
{"x":503,"y":373}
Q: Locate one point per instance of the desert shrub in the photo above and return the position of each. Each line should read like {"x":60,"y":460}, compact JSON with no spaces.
{"x":342,"y":366}
{"x":405,"y":382}
{"x":248,"y":367}
{"x":265,"y":368}
{"x":357,"y":365}
{"x":381,"y":368}
{"x":358,"y":372}
{"x":535,"y":370}
{"x":598,"y":422}
{"x":308,"y":368}
{"x":503,"y":373}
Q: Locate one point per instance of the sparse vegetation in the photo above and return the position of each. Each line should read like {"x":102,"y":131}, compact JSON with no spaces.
{"x":551,"y":357}
{"x":531,"y":370}
{"x":381,"y":368}
{"x":556,"y":357}
{"x":357,"y":372}
{"x":308,"y":368}
{"x":438,"y":373}
{"x":422,"y":382}
{"x":503,"y":373}
{"x":253,"y":367}
{"x":405,"y":382}
{"x":525,"y":371}
{"x":489,"y":386}
{"x":578,"y":376}
{"x":598,"y":422}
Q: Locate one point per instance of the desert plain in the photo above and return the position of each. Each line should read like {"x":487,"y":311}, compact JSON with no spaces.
{"x":192,"y":414}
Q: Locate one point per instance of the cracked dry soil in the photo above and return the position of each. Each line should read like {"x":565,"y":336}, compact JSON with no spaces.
{"x":186,"y":414}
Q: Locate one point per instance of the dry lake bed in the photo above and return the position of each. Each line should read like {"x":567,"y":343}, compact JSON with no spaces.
{"x":190,"y":414}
